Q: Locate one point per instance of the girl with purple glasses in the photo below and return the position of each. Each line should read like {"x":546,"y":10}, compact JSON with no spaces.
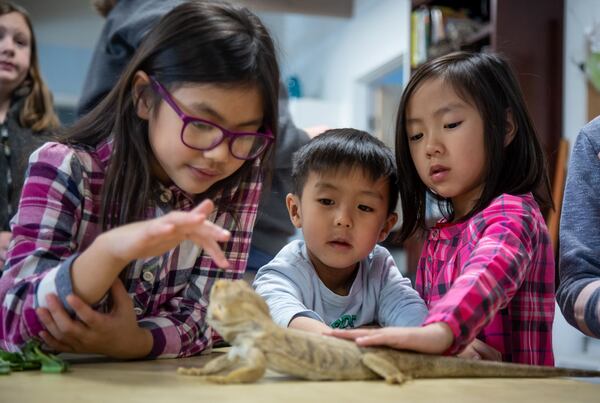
{"x":124,"y":224}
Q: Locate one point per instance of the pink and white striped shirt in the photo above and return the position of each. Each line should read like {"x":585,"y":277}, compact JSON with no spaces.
{"x":492,"y":277}
{"x":58,"y":218}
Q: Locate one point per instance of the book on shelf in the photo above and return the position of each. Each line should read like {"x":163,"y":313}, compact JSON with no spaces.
{"x":438,"y":30}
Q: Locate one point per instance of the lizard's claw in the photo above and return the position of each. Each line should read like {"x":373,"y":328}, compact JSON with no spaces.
{"x":397,"y":378}
{"x":190,"y":371}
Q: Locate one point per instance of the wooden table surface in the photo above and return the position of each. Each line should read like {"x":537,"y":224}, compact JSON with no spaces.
{"x":157,"y":381}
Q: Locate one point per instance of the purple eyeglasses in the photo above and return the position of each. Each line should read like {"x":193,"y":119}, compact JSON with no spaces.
{"x":204,"y":135}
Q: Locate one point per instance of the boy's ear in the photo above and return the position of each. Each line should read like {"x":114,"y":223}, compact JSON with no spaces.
{"x":292,"y":202}
{"x":139,"y":88}
{"x":511,"y":128}
{"x":390,"y":221}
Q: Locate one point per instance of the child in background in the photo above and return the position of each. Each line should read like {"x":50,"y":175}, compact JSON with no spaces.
{"x":345,"y":194}
{"x":121,"y":206}
{"x":26,"y":111}
{"x":487,"y":268}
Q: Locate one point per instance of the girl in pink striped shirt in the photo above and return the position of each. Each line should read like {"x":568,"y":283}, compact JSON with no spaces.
{"x":486,"y":271}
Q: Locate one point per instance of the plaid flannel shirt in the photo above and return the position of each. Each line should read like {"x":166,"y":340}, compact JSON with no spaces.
{"x":492,"y":277}
{"x":58,"y":218}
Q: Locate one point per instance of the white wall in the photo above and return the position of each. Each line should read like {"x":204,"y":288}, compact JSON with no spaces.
{"x":66,"y":32}
{"x":64,"y":22}
{"x":580,"y":15}
{"x":334,"y":56}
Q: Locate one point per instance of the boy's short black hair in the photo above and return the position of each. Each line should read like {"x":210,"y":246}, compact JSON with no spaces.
{"x":346,"y":149}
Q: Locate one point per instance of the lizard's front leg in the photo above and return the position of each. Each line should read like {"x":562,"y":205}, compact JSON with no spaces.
{"x":384,"y":368}
{"x":253,"y":367}
{"x":214,"y":366}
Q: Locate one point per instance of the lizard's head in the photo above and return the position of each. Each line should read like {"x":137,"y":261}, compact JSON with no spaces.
{"x":235,"y":308}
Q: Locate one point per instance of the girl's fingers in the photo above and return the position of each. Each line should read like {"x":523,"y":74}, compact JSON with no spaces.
{"x":48,"y":322}
{"x":192,"y":221}
{"x":54,"y":344}
{"x":69,"y":328}
{"x":214,"y":250}
{"x":431,"y":339}
{"x":182,"y":219}
{"x":214,"y":231}
{"x":376,"y":339}
{"x":83,"y":311}
{"x":484,"y":351}
{"x":469,"y":353}
{"x":205,"y":207}
{"x":210,"y":230}
{"x":349,"y":334}
{"x":121,"y":299}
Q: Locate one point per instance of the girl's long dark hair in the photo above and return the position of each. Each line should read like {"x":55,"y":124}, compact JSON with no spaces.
{"x":196,"y":42}
{"x":487,"y":82}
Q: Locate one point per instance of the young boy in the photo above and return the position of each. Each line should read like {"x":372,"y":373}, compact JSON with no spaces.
{"x":345,"y":194}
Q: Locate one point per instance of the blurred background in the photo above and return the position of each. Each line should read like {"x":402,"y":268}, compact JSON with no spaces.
{"x":345,"y":62}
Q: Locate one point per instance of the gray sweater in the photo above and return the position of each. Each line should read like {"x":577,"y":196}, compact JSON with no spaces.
{"x":125,"y":27}
{"x":579,"y":292}
{"x":18,"y":144}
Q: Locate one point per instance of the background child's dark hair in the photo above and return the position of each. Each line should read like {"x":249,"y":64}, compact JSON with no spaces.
{"x":343,"y":150}
{"x":487,"y":82}
{"x":196,"y":42}
{"x":37,"y":112}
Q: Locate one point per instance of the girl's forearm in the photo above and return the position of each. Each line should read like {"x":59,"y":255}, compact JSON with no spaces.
{"x":95,"y":270}
{"x":434,"y":338}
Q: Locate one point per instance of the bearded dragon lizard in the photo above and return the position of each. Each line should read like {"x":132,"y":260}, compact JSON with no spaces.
{"x":243,"y":320}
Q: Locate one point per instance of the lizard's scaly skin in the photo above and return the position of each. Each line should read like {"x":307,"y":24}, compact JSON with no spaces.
{"x":242,"y":318}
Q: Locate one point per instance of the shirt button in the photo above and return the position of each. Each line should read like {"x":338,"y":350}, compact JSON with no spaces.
{"x":148,"y":276}
{"x":166,"y":196}
{"x":138,"y":311}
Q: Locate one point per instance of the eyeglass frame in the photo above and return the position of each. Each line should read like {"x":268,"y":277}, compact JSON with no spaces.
{"x":226,"y":134}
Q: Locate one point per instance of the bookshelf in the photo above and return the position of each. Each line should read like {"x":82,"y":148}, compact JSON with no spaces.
{"x":528,"y":33}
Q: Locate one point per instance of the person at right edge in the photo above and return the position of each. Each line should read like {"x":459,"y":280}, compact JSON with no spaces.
{"x":579,"y":291}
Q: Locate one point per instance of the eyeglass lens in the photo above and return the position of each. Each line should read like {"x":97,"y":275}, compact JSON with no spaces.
{"x":203,"y":136}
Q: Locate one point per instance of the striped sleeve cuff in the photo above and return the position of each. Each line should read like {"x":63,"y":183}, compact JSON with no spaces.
{"x":459,"y":342}
{"x":587,"y":309}
{"x":57,"y":281}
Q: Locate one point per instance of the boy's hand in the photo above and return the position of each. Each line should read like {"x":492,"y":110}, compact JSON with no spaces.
{"x":435,"y":338}
{"x":156,"y":236}
{"x":115,"y":334}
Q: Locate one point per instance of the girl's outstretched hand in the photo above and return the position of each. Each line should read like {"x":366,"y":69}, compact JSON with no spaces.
{"x":156,"y":236}
{"x":115,"y":334}
{"x":435,"y":338}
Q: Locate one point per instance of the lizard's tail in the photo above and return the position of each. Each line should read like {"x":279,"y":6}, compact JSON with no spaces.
{"x":463,"y":368}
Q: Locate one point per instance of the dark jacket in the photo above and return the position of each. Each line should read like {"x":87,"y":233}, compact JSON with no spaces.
{"x":123,"y":31}
{"x":21,"y":142}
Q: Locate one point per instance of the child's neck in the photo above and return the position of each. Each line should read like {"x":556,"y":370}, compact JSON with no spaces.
{"x":340,"y":284}
{"x":338,"y":280}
